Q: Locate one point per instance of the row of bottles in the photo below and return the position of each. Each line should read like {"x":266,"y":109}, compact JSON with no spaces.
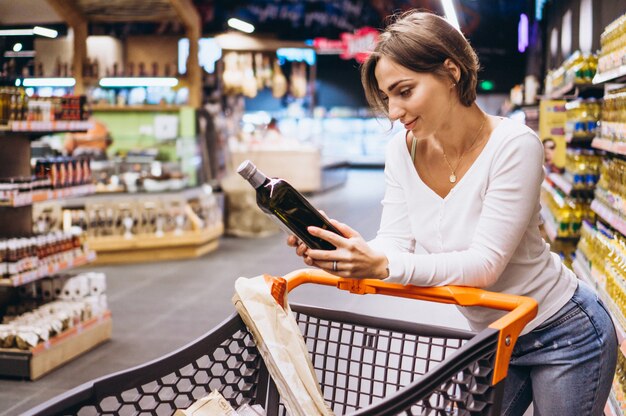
{"x":613,"y":45}
{"x":605,"y":250}
{"x":613,"y":125}
{"x":20,"y":255}
{"x":16,"y":105}
{"x":91,"y":68}
{"x":611,"y":188}
{"x":582,"y":168}
{"x":582,"y":117}
{"x":568,"y":213}
{"x":64,"y":171}
{"x":579,"y":68}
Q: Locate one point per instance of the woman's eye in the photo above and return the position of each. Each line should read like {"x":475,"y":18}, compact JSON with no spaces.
{"x":406,"y":92}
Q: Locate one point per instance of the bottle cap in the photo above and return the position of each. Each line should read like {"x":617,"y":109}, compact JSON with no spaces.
{"x":250,"y":173}
{"x":246,"y":169}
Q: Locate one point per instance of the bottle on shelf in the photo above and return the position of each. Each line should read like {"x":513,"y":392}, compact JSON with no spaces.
{"x":282,"y":202}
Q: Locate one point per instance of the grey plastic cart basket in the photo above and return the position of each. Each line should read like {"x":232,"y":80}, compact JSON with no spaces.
{"x":365,"y":366}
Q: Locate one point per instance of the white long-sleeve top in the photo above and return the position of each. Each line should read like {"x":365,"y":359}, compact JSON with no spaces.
{"x":484,"y":233}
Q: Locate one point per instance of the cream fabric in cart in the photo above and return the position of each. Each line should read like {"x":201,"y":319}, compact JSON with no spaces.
{"x":281,"y":345}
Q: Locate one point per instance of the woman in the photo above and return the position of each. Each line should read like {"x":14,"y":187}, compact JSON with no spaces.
{"x":461,"y":207}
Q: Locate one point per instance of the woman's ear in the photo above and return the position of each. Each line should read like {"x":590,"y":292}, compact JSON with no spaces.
{"x":453,"y":69}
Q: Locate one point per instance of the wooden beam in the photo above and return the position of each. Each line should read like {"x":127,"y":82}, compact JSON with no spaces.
{"x":68,"y":10}
{"x":190,"y":18}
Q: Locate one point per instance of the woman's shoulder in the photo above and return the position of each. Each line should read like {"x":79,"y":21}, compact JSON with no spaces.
{"x":513,"y":137}
{"x":396,"y":144}
{"x":510,"y":132}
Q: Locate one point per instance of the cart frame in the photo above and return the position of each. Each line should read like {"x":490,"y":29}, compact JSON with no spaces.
{"x":466,"y":378}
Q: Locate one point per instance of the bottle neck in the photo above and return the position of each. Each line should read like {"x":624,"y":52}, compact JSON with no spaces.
{"x":257,"y":179}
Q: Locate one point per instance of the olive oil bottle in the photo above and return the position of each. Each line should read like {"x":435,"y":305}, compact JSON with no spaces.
{"x":282,"y":202}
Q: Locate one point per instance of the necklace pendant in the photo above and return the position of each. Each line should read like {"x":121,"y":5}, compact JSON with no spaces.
{"x":452,"y":178}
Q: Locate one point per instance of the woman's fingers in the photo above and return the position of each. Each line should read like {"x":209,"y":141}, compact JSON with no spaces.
{"x":293,"y":241}
{"x":347,"y":231}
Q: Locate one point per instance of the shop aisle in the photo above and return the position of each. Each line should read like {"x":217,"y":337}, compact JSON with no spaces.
{"x":160,"y":307}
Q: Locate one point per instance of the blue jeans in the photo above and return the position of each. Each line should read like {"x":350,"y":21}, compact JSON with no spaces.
{"x":566,"y":365}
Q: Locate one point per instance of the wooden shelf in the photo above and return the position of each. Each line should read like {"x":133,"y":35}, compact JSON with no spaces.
{"x":45,"y":357}
{"x":45,"y":271}
{"x":21,"y":200}
{"x":141,"y":248}
{"x":136,"y":108}
{"x":619,"y":148}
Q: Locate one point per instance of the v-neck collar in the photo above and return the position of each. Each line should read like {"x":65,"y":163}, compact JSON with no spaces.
{"x":407,"y":155}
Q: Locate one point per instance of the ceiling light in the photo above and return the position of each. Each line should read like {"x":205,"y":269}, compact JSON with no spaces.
{"x":121,"y":82}
{"x":16,"y":32}
{"x":240,"y":25}
{"x":17,"y":47}
{"x":448,"y":9}
{"x":48,"y":82}
{"x":42,"y":31}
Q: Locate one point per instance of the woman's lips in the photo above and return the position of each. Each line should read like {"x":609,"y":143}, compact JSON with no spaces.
{"x":409,"y":126}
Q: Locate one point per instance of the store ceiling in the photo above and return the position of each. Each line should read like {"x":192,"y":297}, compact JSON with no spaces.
{"x":490,"y":25}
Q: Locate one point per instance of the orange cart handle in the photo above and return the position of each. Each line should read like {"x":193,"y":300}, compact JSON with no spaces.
{"x":521,"y":309}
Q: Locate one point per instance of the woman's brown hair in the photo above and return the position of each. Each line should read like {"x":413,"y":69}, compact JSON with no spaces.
{"x":421,"y":42}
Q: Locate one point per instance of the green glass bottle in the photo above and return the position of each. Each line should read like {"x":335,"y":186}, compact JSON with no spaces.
{"x":281,"y":201}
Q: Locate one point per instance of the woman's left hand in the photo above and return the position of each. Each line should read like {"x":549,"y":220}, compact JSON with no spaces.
{"x":354,"y":257}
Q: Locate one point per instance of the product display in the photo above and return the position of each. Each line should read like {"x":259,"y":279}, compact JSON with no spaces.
{"x":279,"y":199}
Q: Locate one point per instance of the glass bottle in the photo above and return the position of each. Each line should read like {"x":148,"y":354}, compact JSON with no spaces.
{"x":277,"y":198}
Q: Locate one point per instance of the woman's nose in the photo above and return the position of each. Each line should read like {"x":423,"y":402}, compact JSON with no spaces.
{"x":395,"y":111}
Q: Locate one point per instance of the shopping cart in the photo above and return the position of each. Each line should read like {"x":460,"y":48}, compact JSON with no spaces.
{"x":365,"y":365}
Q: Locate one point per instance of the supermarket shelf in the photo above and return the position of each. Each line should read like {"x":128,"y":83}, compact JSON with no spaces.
{"x":548,"y":224}
{"x":564,"y":184}
{"x":616,"y":402}
{"x":583,"y":272}
{"x":614,"y":75}
{"x":136,"y":108}
{"x":50,"y":126}
{"x":618,"y":148}
{"x":140,"y":248}
{"x":45,"y":271}
{"x":58,"y":350}
{"x":560,"y":181}
{"x":609,"y":215}
{"x":579,"y":138}
{"x":47,"y":195}
{"x":571,"y":90}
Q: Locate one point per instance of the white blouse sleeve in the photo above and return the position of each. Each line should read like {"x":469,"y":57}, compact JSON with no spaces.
{"x":511,"y":199}
{"x":394,"y":234}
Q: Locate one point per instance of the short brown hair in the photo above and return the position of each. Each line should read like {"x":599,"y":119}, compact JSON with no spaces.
{"x":421,"y":42}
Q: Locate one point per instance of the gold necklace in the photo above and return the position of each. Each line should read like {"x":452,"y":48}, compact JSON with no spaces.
{"x":452,"y":177}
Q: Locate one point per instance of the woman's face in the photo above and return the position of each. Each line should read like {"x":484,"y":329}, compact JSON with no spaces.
{"x":421,"y":101}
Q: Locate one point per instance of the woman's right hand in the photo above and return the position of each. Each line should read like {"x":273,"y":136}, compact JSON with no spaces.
{"x":294,"y":241}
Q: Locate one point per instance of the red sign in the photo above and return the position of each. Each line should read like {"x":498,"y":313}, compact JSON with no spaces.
{"x":357,"y":45}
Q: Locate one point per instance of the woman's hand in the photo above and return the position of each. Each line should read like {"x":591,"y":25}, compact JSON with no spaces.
{"x":354,"y":258}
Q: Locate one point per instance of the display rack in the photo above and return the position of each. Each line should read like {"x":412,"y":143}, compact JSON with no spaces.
{"x":201,"y":237}
{"x":17,"y":221}
{"x":618,"y":148}
{"x":614,"y":75}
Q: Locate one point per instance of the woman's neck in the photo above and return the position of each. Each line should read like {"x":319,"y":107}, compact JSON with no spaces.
{"x":461,"y":129}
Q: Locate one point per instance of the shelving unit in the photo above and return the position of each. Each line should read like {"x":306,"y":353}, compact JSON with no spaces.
{"x":617,"y":148}
{"x":16,"y":220}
